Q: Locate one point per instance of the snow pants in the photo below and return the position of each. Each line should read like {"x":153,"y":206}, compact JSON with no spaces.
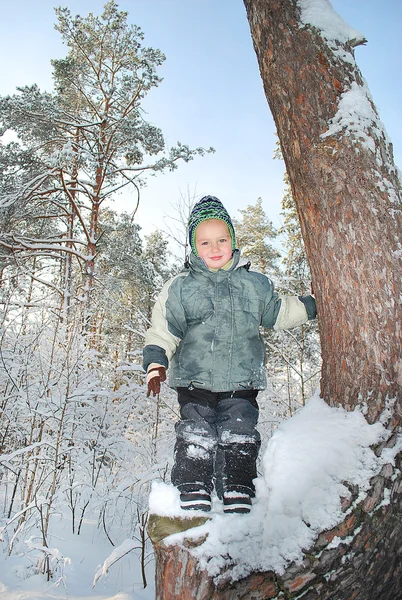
{"x":217,"y":442}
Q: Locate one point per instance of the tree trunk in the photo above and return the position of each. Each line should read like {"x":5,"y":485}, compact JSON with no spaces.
{"x":68,"y":258}
{"x":348,"y":198}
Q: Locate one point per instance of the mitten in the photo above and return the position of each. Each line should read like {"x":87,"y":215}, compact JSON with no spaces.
{"x":155,"y":375}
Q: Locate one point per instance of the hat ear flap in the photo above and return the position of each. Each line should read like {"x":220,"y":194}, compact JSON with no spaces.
{"x":193,"y":247}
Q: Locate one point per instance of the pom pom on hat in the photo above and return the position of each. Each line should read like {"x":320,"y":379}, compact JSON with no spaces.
{"x":208,"y":207}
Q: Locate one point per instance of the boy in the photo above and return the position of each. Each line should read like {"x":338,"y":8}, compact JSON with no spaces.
{"x":205,"y":327}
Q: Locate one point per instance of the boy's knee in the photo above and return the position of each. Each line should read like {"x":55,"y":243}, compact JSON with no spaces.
{"x":237,"y":423}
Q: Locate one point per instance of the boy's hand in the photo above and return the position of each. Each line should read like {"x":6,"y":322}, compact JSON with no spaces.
{"x":155,"y":375}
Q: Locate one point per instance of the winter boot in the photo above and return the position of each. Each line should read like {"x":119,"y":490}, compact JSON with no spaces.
{"x":195,"y":500}
{"x":236,"y":502}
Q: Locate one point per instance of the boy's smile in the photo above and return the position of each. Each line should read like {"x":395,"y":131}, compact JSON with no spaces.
{"x":213,"y":243}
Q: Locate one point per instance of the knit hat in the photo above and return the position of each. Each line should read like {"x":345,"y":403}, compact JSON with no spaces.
{"x":208,"y":207}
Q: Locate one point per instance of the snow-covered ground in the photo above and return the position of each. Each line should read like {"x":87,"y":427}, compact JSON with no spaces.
{"x":77,"y":560}
{"x":304,"y":468}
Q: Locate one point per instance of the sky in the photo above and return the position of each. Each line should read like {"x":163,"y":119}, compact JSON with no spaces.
{"x":211,"y":95}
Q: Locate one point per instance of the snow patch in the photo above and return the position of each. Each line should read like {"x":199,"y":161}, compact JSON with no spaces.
{"x":164,"y":500}
{"x":197,"y":452}
{"x":356,"y":115}
{"x":320,"y":14}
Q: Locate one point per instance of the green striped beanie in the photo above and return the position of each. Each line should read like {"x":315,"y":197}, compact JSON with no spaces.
{"x":208,"y":207}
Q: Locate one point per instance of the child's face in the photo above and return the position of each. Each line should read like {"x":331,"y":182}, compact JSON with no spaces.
{"x":213,"y":243}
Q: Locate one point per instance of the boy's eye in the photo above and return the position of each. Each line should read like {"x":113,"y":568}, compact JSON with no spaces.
{"x":204,"y":243}
{"x":223,"y":240}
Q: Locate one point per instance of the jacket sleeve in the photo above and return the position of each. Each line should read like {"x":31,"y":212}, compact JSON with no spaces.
{"x":168,"y":325}
{"x":285,"y":312}
{"x":294,"y":311}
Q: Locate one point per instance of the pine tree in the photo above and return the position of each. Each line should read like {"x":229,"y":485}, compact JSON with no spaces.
{"x":295,"y":259}
{"x":298,"y":351}
{"x":177,"y":229}
{"x":85,"y":141}
{"x":254,"y":233}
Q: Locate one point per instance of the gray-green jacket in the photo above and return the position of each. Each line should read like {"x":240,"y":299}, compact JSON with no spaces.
{"x":206,"y":326}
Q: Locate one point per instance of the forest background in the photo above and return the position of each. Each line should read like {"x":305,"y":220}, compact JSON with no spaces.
{"x":211,"y":94}
{"x":80,"y":440}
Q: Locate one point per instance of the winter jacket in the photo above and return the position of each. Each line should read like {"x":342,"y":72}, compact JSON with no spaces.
{"x":206,"y":325}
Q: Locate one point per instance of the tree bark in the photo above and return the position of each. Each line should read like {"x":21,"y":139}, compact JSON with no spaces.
{"x":348,"y":198}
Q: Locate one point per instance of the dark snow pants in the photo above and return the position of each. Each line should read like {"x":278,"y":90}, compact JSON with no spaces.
{"x":217,"y":442}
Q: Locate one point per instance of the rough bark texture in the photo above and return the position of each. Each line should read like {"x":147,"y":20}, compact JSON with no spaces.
{"x":349,"y":202}
{"x":349,"y":207}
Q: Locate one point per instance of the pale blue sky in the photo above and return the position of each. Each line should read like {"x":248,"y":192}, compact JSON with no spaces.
{"x":212,"y":93}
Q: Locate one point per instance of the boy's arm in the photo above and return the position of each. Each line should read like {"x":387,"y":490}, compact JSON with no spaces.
{"x":167,"y":327}
{"x":285,"y":312}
